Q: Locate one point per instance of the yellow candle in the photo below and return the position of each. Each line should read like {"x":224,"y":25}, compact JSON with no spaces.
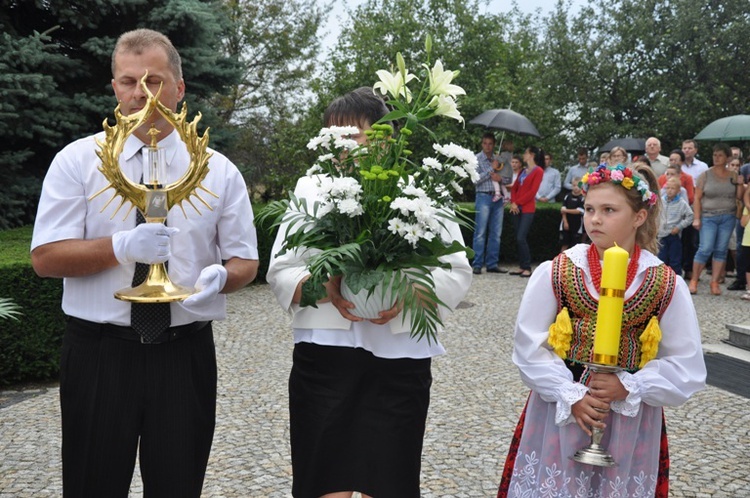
{"x":609,"y":313}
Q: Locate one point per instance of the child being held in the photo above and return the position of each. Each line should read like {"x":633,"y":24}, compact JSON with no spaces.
{"x":675,"y":216}
{"x":572,"y":216}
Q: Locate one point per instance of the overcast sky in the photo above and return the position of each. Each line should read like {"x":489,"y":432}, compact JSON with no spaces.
{"x":338,"y":13}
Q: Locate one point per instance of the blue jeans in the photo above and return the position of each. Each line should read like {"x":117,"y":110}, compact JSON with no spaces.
{"x":671,"y":252}
{"x":488,"y":227}
{"x":523,"y":225}
{"x":714,"y":237}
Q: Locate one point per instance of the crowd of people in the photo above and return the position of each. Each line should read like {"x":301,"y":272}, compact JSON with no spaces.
{"x":700,"y":228}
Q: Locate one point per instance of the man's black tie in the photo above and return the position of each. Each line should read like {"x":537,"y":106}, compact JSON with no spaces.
{"x":150,"y":320}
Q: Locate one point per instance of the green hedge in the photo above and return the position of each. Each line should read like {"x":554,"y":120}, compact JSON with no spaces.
{"x":30,"y":346}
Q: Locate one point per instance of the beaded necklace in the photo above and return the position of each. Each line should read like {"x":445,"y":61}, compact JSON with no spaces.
{"x":595,"y":266}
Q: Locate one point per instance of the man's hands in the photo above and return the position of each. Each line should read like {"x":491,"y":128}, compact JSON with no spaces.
{"x":147,"y":243}
{"x":209,"y":284}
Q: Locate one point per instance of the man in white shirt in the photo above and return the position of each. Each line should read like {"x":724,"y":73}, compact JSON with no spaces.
{"x":551,"y":185}
{"x":658,"y":162}
{"x":693,"y":166}
{"x":124,"y":391}
{"x":577,"y":170}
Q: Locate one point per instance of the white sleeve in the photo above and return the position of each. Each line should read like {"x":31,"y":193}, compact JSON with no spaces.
{"x":541,"y":369}
{"x":678,"y":371}
{"x":287,"y":270}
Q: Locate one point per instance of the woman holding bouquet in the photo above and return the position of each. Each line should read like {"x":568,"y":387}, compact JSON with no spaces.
{"x":359,"y":389}
{"x":660,"y":355}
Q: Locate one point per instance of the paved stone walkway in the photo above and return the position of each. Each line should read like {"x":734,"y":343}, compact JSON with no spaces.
{"x":476,"y":398}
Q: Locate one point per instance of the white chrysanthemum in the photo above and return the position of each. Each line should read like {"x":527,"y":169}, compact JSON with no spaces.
{"x":457,"y":152}
{"x":414,"y":191}
{"x":325,"y":158}
{"x":413,"y":234}
{"x":432,"y":163}
{"x":314,"y":170}
{"x":459,"y":171}
{"x":459,"y":190}
{"x":345,"y":143}
{"x":403,"y":204}
{"x":319,"y":141}
{"x":396,"y":225}
{"x":471,"y":169}
{"x":345,"y":188}
{"x":350,"y":207}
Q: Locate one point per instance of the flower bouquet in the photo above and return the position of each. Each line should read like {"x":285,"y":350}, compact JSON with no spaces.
{"x":380,"y":218}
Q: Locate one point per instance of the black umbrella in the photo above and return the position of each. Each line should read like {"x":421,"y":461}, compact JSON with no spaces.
{"x":632,"y":145}
{"x":506,"y":120}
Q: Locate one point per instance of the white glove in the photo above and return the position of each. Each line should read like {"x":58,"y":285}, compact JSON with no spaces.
{"x":147,"y":243}
{"x":210,"y":282}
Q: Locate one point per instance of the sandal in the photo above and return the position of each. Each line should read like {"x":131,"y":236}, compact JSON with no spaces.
{"x":745,"y":296}
{"x":515,"y":272}
{"x":525,"y":274}
{"x":715,"y":288}
{"x":693,"y":286}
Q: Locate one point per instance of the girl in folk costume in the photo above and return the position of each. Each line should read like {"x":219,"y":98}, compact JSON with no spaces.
{"x":660,"y":355}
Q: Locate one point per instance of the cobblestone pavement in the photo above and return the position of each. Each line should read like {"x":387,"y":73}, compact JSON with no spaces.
{"x":476,"y":398}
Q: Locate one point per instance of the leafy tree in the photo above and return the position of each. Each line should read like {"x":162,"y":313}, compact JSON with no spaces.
{"x":55,"y":74}
{"x":464,"y":39}
{"x":276,"y":45}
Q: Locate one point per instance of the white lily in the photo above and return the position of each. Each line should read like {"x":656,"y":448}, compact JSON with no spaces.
{"x":394,"y":83}
{"x":440,"y":81}
{"x":446,"y":106}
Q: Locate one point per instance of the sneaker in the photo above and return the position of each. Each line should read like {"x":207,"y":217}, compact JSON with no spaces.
{"x":477,"y":271}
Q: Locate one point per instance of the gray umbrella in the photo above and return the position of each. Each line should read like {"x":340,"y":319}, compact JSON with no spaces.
{"x":729,"y":129}
{"x":506,"y":120}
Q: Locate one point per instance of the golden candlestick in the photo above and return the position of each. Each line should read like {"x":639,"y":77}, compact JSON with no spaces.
{"x":154,"y":199}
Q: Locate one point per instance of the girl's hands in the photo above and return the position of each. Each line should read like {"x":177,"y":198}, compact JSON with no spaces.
{"x":590,"y":412}
{"x":592,"y":409}
{"x":607,"y":387}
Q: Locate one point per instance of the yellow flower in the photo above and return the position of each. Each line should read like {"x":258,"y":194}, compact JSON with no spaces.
{"x":585,"y":178}
{"x":561,"y":334}
{"x":627,"y":183}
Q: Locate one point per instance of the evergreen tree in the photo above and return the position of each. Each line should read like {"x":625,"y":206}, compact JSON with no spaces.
{"x":55,"y":75}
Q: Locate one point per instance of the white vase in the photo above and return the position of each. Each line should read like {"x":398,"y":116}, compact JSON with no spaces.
{"x":368,"y":306}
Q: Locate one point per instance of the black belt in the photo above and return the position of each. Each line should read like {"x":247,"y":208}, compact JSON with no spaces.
{"x":121,"y":332}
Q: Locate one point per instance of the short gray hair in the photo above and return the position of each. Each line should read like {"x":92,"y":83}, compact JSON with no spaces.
{"x":139,"y":40}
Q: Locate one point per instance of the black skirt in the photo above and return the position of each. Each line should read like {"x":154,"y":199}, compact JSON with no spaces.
{"x":356,"y":422}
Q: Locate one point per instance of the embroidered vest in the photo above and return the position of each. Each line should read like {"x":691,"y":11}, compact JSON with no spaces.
{"x":651,"y":299}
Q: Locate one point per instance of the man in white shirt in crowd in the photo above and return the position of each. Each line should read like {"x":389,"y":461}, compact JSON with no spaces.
{"x":577,"y":170}
{"x":693,"y":166}
{"x":551,"y":185}
{"x":658,"y":162}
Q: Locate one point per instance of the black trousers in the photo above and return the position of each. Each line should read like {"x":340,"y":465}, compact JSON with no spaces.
{"x":356,"y":421}
{"x":118,"y":395}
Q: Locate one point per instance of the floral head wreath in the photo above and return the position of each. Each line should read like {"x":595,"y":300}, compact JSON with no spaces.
{"x":619,"y":175}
